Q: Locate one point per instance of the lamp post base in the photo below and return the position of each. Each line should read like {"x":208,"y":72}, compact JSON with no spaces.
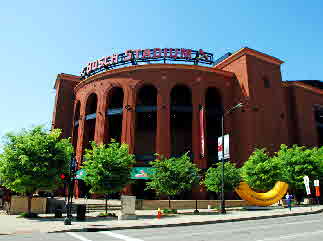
{"x":67,"y":221}
{"x":222,"y":208}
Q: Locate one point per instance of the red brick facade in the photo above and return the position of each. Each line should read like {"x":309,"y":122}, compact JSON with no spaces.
{"x":275,"y":112}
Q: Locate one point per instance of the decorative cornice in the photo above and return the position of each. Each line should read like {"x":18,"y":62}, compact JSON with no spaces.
{"x":152,"y":66}
{"x":248,"y":51}
{"x":304,"y":86}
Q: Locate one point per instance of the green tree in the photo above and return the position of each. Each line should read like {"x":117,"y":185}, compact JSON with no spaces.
{"x":173,"y":176}
{"x":298,"y":162}
{"x":261,"y":171}
{"x":213,"y":177}
{"x":108,"y":167}
{"x":33,"y":159}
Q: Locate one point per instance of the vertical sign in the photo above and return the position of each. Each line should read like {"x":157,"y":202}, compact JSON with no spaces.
{"x":307,"y":185}
{"x":202,"y":131}
{"x":317,"y":187}
{"x":225,"y":148}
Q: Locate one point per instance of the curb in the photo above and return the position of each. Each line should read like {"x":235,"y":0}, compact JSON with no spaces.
{"x":188,"y":223}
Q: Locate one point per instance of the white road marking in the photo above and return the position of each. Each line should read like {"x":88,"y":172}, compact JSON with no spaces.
{"x":184,"y":233}
{"x":78,"y":236}
{"x":292,"y":236}
{"x":120,"y":236}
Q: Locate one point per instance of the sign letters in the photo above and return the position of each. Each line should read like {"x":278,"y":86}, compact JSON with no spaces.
{"x":134,"y":57}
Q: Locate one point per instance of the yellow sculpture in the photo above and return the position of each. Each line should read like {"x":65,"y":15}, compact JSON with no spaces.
{"x":262,"y":199}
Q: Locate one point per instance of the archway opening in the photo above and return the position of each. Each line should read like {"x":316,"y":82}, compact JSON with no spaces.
{"x":146,"y":123}
{"x":90,"y":119}
{"x":181,"y":120}
{"x":213,"y":110}
{"x":76,"y":124}
{"x":114,"y":112}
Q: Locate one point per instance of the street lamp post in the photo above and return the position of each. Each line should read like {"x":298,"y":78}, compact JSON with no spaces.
{"x":224,"y":113}
{"x":70,"y":188}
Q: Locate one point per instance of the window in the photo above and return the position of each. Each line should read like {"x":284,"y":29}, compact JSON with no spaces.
{"x":266,"y":83}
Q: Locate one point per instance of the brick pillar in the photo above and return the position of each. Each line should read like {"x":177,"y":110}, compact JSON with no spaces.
{"x":80,"y":145}
{"x":101,"y":128}
{"x":163,"y":123}
{"x":198,"y":100}
{"x":128,"y":120}
{"x":80,"y":138}
{"x":128,"y":126}
{"x":127,"y":190}
{"x":196,"y":132}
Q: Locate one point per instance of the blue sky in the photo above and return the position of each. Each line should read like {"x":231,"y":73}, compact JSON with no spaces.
{"x":40,"y":39}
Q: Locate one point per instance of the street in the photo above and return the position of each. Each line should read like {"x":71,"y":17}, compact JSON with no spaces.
{"x":297,"y":228}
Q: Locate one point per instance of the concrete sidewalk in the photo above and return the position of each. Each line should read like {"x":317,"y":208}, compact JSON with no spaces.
{"x":10,"y":224}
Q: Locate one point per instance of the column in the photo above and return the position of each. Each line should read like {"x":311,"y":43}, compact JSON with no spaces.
{"x":101,"y":127}
{"x":128,"y":120}
{"x":128,"y":126}
{"x":163,"y":123}
{"x":80,"y":138}
{"x":198,"y":100}
{"x":80,"y":144}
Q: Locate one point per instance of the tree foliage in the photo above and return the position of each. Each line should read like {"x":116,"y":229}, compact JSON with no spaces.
{"x":289,"y":164}
{"x":298,"y":162}
{"x":213,"y":177}
{"x":261,"y":171}
{"x":33,"y":159}
{"x":173,"y":176}
{"x":108,"y":167}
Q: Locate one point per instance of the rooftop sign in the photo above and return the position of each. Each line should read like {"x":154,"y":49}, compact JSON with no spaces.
{"x":133,"y":57}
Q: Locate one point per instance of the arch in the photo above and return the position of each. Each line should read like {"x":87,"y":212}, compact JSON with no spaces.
{"x":114,"y":111}
{"x":90,"y":119}
{"x":76,"y":123}
{"x":213,"y":111}
{"x":181,"y":119}
{"x":146,"y":122}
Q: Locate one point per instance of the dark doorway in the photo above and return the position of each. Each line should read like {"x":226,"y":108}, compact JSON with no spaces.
{"x":90,"y":119}
{"x":76,"y":124}
{"x":114,"y":112}
{"x":146,"y":123}
{"x":181,"y":120}
{"x":138,"y":188}
{"x":213,"y":110}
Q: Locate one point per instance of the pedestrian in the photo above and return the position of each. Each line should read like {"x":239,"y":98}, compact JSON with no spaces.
{"x":289,"y":201}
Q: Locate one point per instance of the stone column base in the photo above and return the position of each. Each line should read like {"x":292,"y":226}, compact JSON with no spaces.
{"x":127,"y":216}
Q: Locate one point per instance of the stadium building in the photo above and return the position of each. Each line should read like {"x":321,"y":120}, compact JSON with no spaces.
{"x":170,"y":101}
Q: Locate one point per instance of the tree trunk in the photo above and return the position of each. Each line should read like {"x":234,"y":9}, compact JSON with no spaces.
{"x":169,"y":202}
{"x":29,"y":196}
{"x":106,"y":204}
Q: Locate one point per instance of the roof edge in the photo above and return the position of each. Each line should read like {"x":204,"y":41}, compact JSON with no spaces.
{"x":304,"y":86}
{"x":154,"y":66}
{"x":64,"y":76}
{"x":248,"y":51}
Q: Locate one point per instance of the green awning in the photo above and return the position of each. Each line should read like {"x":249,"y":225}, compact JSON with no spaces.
{"x":141,"y":172}
{"x":80,"y":174}
{"x":136,"y":173}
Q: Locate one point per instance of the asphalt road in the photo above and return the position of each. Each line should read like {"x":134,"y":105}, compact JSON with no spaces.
{"x":298,"y":228}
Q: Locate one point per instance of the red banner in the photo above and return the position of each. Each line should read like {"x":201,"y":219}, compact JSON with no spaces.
{"x":317,"y":191}
{"x":202,"y":132}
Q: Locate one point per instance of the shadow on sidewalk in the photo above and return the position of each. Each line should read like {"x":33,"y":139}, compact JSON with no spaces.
{"x":94,"y":219}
